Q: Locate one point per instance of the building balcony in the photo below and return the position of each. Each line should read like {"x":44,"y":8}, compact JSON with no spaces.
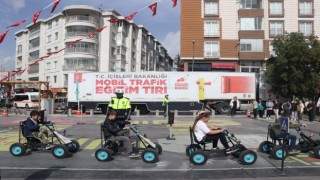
{"x":80,"y":18}
{"x":74,"y":34}
{"x":32,"y":59}
{"x":33,"y":71}
{"x":250,"y":13}
{"x":120,"y":57}
{"x":81,"y":50}
{"x":251,"y":34}
{"x":212,"y":34}
{"x":34,"y":34}
{"x":19,"y":63}
{"x":80,"y":67}
{"x":252,"y":56}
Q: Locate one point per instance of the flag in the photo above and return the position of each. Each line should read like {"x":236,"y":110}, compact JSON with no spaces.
{"x":175,"y":3}
{"x":36,"y":16}
{"x":17,"y":24}
{"x":100,"y":29}
{"x":131,"y":16}
{"x":55,"y":4}
{"x":113,"y":20}
{"x":91,"y":35}
{"x":3,"y":35}
{"x":153,"y":8}
{"x":74,"y":43}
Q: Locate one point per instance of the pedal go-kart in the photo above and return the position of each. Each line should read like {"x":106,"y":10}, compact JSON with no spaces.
{"x":306,"y":143}
{"x":109,"y":147}
{"x":199,"y":155}
{"x":59,"y":150}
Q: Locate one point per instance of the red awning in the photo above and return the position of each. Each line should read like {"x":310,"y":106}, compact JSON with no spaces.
{"x":223,"y":66}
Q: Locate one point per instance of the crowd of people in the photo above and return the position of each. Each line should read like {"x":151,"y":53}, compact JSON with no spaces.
{"x":294,"y":109}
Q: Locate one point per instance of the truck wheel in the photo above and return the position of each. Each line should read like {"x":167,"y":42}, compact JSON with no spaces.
{"x":247,"y":157}
{"x":224,"y":108}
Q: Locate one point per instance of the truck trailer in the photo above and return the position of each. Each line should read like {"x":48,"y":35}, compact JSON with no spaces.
{"x":187,"y":91}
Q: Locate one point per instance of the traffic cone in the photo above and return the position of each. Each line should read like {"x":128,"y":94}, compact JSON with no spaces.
{"x":248,"y":113}
{"x":4,"y":114}
{"x":78,"y":112}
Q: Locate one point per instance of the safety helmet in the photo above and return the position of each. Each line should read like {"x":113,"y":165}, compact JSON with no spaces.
{"x":119,"y":91}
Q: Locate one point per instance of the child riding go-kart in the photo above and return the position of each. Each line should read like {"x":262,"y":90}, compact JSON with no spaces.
{"x":199,"y":155}
{"x":59,"y":150}
{"x":110,"y":147}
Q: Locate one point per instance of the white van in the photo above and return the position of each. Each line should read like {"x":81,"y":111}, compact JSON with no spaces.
{"x":26,"y":100}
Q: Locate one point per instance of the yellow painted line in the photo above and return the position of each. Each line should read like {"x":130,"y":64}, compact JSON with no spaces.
{"x":136,"y":122}
{"x":93,"y":145}
{"x":82,"y":140}
{"x":316,"y":163}
{"x":145,"y":122}
{"x":99,"y":122}
{"x":159,"y":121}
{"x":302,"y":155}
{"x":300,"y":161}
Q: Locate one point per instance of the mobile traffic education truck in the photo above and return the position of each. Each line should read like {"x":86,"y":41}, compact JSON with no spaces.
{"x":146,"y":90}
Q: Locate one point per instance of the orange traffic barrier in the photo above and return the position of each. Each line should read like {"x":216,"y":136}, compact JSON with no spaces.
{"x":78,"y":112}
{"x":4,"y":114}
{"x":248,"y":113}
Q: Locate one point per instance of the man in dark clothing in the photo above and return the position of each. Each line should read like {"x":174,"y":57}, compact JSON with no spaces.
{"x":32,"y":127}
{"x":286,"y":108}
{"x":112,"y":131}
{"x":310,"y":110}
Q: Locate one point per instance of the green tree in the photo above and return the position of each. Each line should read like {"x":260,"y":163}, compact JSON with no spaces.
{"x":178,"y":61}
{"x":294,"y":71}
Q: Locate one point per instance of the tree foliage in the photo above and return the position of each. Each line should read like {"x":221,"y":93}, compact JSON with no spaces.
{"x":294,"y":71}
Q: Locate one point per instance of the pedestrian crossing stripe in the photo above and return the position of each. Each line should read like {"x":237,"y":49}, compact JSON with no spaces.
{"x":299,"y":160}
{"x":316,"y":163}
{"x":93,"y":144}
{"x":302,"y":155}
{"x":145,"y":122}
{"x":81,"y":141}
{"x":99,"y":122}
{"x":159,"y":121}
{"x":135,"y":122}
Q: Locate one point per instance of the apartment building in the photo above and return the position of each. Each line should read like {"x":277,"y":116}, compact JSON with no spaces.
{"x":236,"y":35}
{"x":121,"y":47}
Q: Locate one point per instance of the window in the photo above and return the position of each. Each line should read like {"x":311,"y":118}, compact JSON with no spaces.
{"x":48,"y":65}
{"x":50,"y":25}
{"x":49,"y":50}
{"x":250,"y":66}
{"x":55,"y":79}
{"x":276,"y":28}
{"x":211,"y":49}
{"x":48,"y":78}
{"x":113,"y":51}
{"x":19,"y":48}
{"x":56,"y":36}
{"x":276,"y":8}
{"x":250,"y":23}
{"x":305,"y":7}
{"x":49,"y":39}
{"x":57,"y":22}
{"x":250,"y":4}
{"x":211,"y":8}
{"x":34,"y":43}
{"x":55,"y":65}
{"x":211,"y":29}
{"x":251,"y":45}
{"x":306,"y":28}
{"x":272,"y":51}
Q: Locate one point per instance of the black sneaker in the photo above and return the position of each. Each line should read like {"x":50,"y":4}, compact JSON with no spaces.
{"x":133,"y":155}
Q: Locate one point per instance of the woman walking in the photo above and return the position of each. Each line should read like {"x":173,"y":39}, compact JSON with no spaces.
{"x":269,"y":108}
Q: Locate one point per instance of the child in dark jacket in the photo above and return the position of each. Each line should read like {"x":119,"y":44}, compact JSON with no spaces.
{"x":112,"y":131}
{"x":32,"y":127}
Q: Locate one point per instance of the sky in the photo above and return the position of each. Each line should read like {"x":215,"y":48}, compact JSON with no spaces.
{"x":165,"y":26}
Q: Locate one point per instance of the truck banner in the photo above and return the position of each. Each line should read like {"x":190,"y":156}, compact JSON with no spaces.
{"x":152,"y":86}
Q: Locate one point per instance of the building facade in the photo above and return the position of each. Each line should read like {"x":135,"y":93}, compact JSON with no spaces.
{"x":121,"y":47}
{"x":236,"y":35}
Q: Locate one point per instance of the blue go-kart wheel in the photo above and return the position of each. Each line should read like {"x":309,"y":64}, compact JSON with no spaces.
{"x":277,"y":153}
{"x":265,"y":146}
{"x":316,"y":151}
{"x":247,"y":157}
{"x":191,"y":148}
{"x":150,"y":156}
{"x":74,"y":146}
{"x":60,"y":151}
{"x":198,"y":157}
{"x":103,"y":154}
{"x":17,"y":149}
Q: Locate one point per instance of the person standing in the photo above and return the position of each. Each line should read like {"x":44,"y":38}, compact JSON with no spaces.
{"x":255,"y":108}
{"x":260,"y":109}
{"x":165,"y":104}
{"x":294,"y":111}
{"x":300,"y":108}
{"x":286,"y":108}
{"x":269,"y":105}
{"x":276,"y":108}
{"x":310,"y":110}
{"x":234,"y":105}
{"x":122,"y":106}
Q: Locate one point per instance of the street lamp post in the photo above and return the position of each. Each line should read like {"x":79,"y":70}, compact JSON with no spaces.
{"x":193,"y":42}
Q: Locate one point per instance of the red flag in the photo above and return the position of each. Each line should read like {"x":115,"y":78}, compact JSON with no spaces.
{"x":74,"y":43}
{"x":113,"y":20}
{"x":55,"y":4}
{"x":175,"y":3}
{"x":91,"y":35}
{"x":153,"y":8}
{"x":131,"y":16}
{"x":36,"y":16}
{"x":3,"y":35}
{"x":17,"y":24}
{"x":100,"y":29}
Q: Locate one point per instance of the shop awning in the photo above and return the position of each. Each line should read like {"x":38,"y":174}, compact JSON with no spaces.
{"x":223,"y":65}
